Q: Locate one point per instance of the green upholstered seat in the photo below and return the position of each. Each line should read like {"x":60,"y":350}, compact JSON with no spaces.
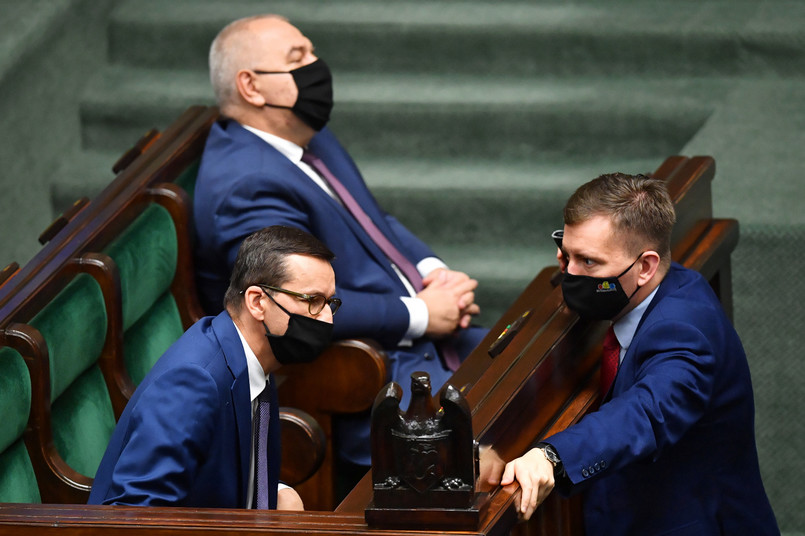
{"x":146,"y":255}
{"x":17,"y":479}
{"x":73,"y":325}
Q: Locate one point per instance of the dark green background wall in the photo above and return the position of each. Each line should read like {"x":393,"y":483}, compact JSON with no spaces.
{"x":472,"y":122}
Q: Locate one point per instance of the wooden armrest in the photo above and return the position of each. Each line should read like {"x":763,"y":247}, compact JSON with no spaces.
{"x":303,"y":446}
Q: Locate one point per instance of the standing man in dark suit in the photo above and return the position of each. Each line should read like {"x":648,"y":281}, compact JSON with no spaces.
{"x":270,"y":160}
{"x":671,"y":450}
{"x":194,"y":433}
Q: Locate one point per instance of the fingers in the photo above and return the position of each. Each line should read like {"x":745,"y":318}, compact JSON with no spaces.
{"x":508,"y":474}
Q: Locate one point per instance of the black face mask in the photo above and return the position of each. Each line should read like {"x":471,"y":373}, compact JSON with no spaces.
{"x":314,"y":101}
{"x":303,"y":341}
{"x":596,"y":298}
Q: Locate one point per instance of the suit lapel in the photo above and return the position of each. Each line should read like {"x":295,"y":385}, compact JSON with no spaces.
{"x":232,"y":348}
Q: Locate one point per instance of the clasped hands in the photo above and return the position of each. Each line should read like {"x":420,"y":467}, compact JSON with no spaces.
{"x":450,"y":298}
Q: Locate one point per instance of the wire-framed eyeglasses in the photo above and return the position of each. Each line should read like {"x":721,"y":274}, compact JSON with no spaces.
{"x":315,"y":302}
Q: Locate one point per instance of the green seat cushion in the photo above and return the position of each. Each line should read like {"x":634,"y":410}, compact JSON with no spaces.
{"x":146,"y":255}
{"x":148,"y":339}
{"x":83,"y":421}
{"x":74,"y":327}
{"x":17,"y":479}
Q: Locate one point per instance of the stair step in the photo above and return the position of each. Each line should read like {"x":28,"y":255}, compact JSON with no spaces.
{"x":81,"y":174}
{"x":485,"y":37}
{"x":484,"y":202}
{"x":437,"y":116}
{"x":502,"y":272}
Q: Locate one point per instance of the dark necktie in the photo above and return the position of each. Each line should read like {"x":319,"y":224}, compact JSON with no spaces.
{"x":261,"y":418}
{"x":451,"y":359}
{"x":393,"y":254}
{"x":609,"y":360}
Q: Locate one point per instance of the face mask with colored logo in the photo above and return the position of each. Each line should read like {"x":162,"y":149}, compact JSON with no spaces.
{"x":596,"y":298}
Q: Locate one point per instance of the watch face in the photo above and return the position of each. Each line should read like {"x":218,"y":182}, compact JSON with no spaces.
{"x":551,"y":455}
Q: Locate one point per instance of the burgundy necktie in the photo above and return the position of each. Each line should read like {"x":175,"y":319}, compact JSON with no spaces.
{"x":261,"y":418}
{"x":449,"y":354}
{"x":609,"y":360}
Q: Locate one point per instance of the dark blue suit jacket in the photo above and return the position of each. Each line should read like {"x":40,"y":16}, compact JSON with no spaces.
{"x":244,"y":185}
{"x":672,"y":448}
{"x":185,"y":438}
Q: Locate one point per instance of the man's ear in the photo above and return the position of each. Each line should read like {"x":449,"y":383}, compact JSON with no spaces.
{"x":253,"y":303}
{"x":248,"y":88}
{"x":647,"y":265}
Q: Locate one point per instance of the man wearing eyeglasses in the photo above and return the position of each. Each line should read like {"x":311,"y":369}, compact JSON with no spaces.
{"x":202,"y":429}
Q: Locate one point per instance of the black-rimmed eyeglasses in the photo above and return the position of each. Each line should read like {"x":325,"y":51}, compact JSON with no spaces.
{"x":315,"y":302}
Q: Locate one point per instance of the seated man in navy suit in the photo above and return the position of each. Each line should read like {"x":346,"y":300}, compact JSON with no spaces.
{"x":202,"y":429}
{"x":270,"y":160}
{"x":671,"y":450}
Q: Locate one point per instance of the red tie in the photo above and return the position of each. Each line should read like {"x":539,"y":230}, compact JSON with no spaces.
{"x":451,"y":359}
{"x":609,"y":361}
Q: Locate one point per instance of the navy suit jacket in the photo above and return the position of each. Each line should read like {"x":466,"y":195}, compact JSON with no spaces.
{"x":672,"y":448}
{"x":185,"y":437}
{"x":244,"y":185}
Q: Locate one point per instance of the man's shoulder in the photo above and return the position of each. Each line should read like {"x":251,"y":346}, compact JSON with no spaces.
{"x":208,"y":344}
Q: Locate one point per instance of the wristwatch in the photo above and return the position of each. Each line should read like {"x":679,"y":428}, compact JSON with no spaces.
{"x":550,"y":454}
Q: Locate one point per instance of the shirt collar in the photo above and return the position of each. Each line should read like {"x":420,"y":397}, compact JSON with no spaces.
{"x":626,"y":327}
{"x":289,"y":149}
{"x":257,"y":376}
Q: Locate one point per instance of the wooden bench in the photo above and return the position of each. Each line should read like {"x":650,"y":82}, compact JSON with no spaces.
{"x":545,"y":380}
{"x":110,"y":291}
{"x":128,"y":219}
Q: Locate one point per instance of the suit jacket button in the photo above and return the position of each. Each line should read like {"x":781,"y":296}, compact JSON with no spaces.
{"x":597,"y":466}
{"x":584,"y":473}
{"x":428,"y":356}
{"x":603,"y":464}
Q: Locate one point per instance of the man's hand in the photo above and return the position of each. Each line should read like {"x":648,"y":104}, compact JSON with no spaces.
{"x":450,"y":299}
{"x":288,"y":499}
{"x":491,"y":466}
{"x":534,"y":473}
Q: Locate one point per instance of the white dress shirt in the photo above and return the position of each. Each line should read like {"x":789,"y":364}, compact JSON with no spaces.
{"x":258,"y":380}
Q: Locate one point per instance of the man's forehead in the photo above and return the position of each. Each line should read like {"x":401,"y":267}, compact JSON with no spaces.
{"x":591,"y":237}
{"x":309,"y":272}
{"x":280,"y":35}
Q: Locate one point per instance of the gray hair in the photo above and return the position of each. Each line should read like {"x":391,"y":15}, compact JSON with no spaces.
{"x":226,"y":57}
